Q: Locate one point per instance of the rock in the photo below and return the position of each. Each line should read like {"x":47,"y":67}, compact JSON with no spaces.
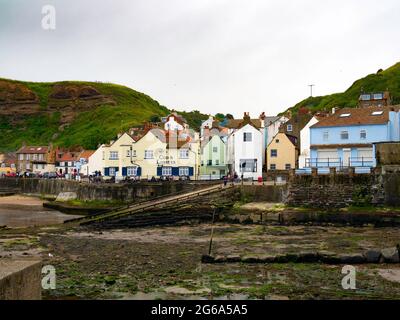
{"x":390,"y":255}
{"x":250,"y":259}
{"x":66,"y":196}
{"x":356,"y":258}
{"x":281,"y":258}
{"x":372,"y":256}
{"x":308,"y":257}
{"x":233,"y":258}
{"x":266,"y":259}
{"x":220,"y":259}
{"x":328,"y":257}
{"x":205,"y":258}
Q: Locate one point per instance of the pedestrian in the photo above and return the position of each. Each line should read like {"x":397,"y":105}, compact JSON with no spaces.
{"x":225,"y":181}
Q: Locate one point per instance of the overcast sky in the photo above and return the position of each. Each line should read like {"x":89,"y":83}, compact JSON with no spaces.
{"x":224,"y":56}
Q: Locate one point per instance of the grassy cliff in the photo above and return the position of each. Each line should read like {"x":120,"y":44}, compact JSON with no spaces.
{"x":72,"y":113}
{"x":388,"y":79}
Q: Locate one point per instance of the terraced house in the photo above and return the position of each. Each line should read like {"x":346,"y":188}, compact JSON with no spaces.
{"x":346,"y":138}
{"x":36,"y":159}
{"x":213,"y":155}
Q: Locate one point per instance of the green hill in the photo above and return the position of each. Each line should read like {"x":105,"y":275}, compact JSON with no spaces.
{"x":388,"y":79}
{"x":72,"y":113}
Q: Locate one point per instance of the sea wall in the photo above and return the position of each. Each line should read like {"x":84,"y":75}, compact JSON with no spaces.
{"x":90,"y":191}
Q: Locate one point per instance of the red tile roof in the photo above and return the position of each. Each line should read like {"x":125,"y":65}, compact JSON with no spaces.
{"x":358,"y":116}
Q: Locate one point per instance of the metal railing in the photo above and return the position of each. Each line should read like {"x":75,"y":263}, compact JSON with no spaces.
{"x":339,"y":162}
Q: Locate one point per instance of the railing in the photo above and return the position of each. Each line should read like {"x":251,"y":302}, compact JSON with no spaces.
{"x":361,"y":162}
{"x":324,"y":162}
{"x":339,"y":163}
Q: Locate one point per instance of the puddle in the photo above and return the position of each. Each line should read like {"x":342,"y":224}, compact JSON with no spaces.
{"x":21,"y":212}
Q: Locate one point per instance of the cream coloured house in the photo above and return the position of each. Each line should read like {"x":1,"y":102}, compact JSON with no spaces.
{"x":282,"y":152}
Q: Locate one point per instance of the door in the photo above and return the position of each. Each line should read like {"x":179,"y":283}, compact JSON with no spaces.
{"x":346,"y":157}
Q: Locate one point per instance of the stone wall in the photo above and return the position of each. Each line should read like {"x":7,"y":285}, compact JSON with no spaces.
{"x":263,"y":193}
{"x":20,"y":279}
{"x":335,"y":190}
{"x":90,"y":191}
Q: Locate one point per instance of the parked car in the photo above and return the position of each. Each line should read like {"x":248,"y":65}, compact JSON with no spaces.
{"x":49,"y":175}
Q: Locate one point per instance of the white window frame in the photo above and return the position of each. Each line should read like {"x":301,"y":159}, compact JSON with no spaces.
{"x":363,"y":134}
{"x":112,"y":171}
{"x":342,"y":133}
{"x":274,"y":166}
{"x":166,"y":171}
{"x":184,"y":171}
{"x":148,"y":154}
{"x":113,"y":155}
{"x":289,"y":128}
{"x":184,"y":154}
{"x":131,"y":171}
{"x":249,"y":136}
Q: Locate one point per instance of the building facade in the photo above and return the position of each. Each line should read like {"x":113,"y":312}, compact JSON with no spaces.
{"x":35,"y":159}
{"x":213,"y":158}
{"x":282,"y":153}
{"x":346,"y":138}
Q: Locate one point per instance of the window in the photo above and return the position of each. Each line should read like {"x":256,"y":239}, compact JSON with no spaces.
{"x":344,"y":135}
{"x":184,"y":171}
{"x":378,"y":96}
{"x":28,"y":157}
{"x":288,"y":166}
{"x":113,"y":155}
{"x":215,"y":149}
{"x":40,"y":157}
{"x":289,"y":128}
{"x":112,"y":172}
{"x":35,"y":156}
{"x":365,"y":97}
{"x":247,"y":137}
{"x":128,"y":153}
{"x":326,"y":136}
{"x":131,"y":171}
{"x":148,"y":154}
{"x":345,"y":115}
{"x":377,"y":113}
{"x":21,"y":157}
{"x":184,"y":154}
{"x":274,"y":153}
{"x":28,"y":166}
{"x":248,"y":165}
{"x":217,"y":162}
{"x":272,"y":166}
{"x":166,"y":171}
{"x":363,"y":134}
{"x":209,"y":162}
{"x":42,"y":166}
{"x":277,"y":141}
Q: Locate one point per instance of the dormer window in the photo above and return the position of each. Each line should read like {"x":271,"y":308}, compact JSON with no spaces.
{"x":377,"y":113}
{"x":345,"y":115}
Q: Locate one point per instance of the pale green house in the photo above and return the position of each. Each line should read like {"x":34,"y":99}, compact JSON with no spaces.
{"x":213,"y":159}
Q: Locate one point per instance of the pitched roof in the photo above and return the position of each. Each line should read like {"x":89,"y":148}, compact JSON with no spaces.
{"x":238,"y":123}
{"x":356,"y":116}
{"x":33,"y":149}
{"x":86,"y":154}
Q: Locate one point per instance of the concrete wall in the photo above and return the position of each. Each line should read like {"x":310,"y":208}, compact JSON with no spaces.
{"x":257,"y":193}
{"x":87,"y":191}
{"x":20,"y":279}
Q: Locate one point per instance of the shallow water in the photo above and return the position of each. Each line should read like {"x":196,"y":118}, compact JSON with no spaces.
{"x":19,"y":212}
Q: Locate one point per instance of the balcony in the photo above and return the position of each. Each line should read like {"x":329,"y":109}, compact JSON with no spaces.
{"x":339,"y":163}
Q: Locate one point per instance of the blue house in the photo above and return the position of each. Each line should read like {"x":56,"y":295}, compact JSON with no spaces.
{"x":345,"y":138}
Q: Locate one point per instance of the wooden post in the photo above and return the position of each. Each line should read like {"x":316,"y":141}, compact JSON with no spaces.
{"x":212,"y":233}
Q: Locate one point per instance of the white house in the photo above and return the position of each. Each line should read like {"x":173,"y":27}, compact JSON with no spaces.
{"x":206,"y":124}
{"x":305,"y":142}
{"x":272,"y":125}
{"x":95,"y":162}
{"x":245,"y":147}
{"x":175,"y":122}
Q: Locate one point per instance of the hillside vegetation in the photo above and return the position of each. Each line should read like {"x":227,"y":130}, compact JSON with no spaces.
{"x":72,"y":113}
{"x":388,"y":79}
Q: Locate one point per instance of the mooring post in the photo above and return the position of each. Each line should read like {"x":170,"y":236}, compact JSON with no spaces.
{"x":212,"y":233}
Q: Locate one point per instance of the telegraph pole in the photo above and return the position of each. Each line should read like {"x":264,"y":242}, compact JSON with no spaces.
{"x":311,"y":88}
